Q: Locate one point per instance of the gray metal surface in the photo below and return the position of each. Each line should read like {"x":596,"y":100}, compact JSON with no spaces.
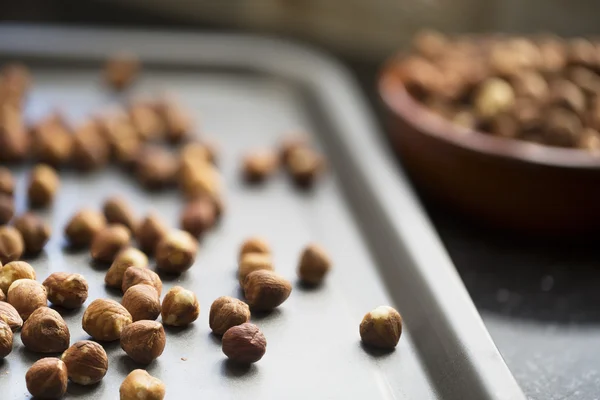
{"x":245,"y":93}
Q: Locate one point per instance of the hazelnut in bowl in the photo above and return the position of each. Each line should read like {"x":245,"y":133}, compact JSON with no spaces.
{"x":504,"y":129}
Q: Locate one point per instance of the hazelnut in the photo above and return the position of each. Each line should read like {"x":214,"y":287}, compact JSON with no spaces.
{"x":90,"y":149}
{"x":11,"y":244}
{"x":10,"y":316}
{"x":142,"y":302}
{"x":254,"y":245}
{"x":26,"y":296}
{"x":7,"y":208}
{"x":553,"y":54}
{"x":566,"y":94}
{"x":45,"y":331}
{"x":314,"y":264}
{"x":198,"y":216}
{"x":176,"y":251}
{"x":109,"y":242}
{"x":43,"y":184}
{"x":305,"y":165}
{"x":47,"y":379}
{"x":421,"y":77}
{"x":259,"y":165}
{"x":105,"y":319}
{"x":83,"y":226}
{"x":179,"y":307}
{"x":146,"y":121}
{"x":588,"y":140}
{"x":562,"y":127}
{"x":129,"y":257}
{"x":14,"y":139}
{"x":117,"y":211}
{"x":121,"y":70}
{"x":6,"y":340}
{"x":291,"y":143}
{"x":198,"y":179}
{"x":141,"y":276}
{"x":143,"y":341}
{"x":149,"y":232}
{"x":465,"y":119}
{"x":177,"y":122}
{"x":493,"y":97}
{"x":140,"y":385}
{"x":196,"y":152}
{"x":66,"y":290}
{"x":504,"y":125}
{"x":52,"y":141}
{"x":265,"y":290}
{"x":381,"y":328}
{"x":2,"y":296}
{"x":34,"y":230}
{"x":581,"y":51}
{"x":155,"y":167}
{"x":251,"y":262}
{"x":122,"y":138}
{"x":86,"y":362}
{"x":244,"y":344}
{"x":7,"y":182}
{"x":429,"y":43}
{"x":226,"y":312}
{"x":15,"y":270}
{"x":531,"y":85}
{"x":586,"y":79}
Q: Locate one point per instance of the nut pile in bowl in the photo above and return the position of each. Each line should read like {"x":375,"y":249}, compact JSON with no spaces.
{"x":541,"y":89}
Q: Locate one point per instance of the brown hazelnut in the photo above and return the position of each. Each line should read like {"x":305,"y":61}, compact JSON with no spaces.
{"x":43,"y":184}
{"x":7,"y":182}
{"x":86,"y":362}
{"x":244,"y":344}
{"x":7,"y":208}
{"x":34,"y":230}
{"x":146,"y":121}
{"x":26,"y":296}
{"x":47,"y":379}
{"x":155,"y":167}
{"x":259,"y":165}
{"x":142,"y":302}
{"x":143,"y":341}
{"x":266,"y":290}
{"x":586,"y":79}
{"x":10,"y":316}
{"x":52,"y":141}
{"x":66,"y":290}
{"x":588,"y":140}
{"x":141,"y":276}
{"x":15,"y":270}
{"x":314,"y":264}
{"x":122,"y":137}
{"x":564,"y":93}
{"x":581,"y":51}
{"x":304,"y":166}
{"x":179,"y":307}
{"x":83,"y":226}
{"x":251,"y":262}
{"x":504,"y":125}
{"x":421,"y":77}
{"x":177,"y":122}
{"x":465,"y":119}
{"x":129,"y":257}
{"x":149,"y":232}
{"x":6,"y":340}
{"x":176,"y":251}
{"x":198,"y":179}
{"x":90,"y":149}
{"x":562,"y":127}
{"x":530,"y":84}
{"x":226,"y":312}
{"x":196,"y":152}
{"x":429,"y":43}
{"x":109,"y":242}
{"x":121,"y":70}
{"x":254,"y":245}
{"x":140,"y":385}
{"x":198,"y":216}
{"x":381,"y":328}
{"x":553,"y":53}
{"x":45,"y":331}
{"x":11,"y":244}
{"x":105,"y":319}
{"x":14,"y":138}
{"x":493,"y":97}
{"x":118,"y":211}
{"x":291,"y":143}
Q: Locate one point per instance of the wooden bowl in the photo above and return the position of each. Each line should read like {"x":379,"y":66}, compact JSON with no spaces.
{"x":507,"y":183}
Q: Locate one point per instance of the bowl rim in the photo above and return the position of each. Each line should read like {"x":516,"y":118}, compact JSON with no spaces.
{"x":397,"y":99}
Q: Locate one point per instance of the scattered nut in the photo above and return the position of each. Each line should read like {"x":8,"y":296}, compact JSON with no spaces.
{"x":254,"y":245}
{"x":143,"y":341}
{"x":45,"y":331}
{"x":140,"y":385}
{"x":6,"y":340}
{"x":142,"y":302}
{"x":251,"y":262}
{"x":107,"y":243}
{"x":429,"y":43}
{"x":180,"y":307}
{"x":129,"y":257}
{"x":14,"y":139}
{"x":149,"y":232}
{"x":146,"y":121}
{"x":381,"y":328}
{"x":52,"y":141}
{"x":259,"y":165}
{"x":304,"y":165}
{"x":198,"y":216}
{"x":34,"y":230}
{"x":122,"y":137}
{"x":66,"y":290}
{"x":177,"y":122}
{"x":11,"y":244}
{"x":117,"y":211}
{"x":196,"y":152}
{"x":26,"y":296}
{"x":589,"y":140}
{"x":244,"y":344}
{"x":90,"y":149}
{"x":121,"y":70}
{"x":86,"y":362}
{"x":141,"y":276}
{"x":494,"y":97}
{"x":83,"y":226}
{"x":290,"y":144}
{"x":200,"y":179}
{"x":265,"y":290}
{"x":7,"y":208}
{"x":10,"y":316}
{"x":156,"y":168}
{"x":314,"y":264}
{"x":15,"y":270}
{"x":43,"y":184}
{"x":564,"y":93}
{"x":105,"y":319}
{"x":176,"y":251}
{"x":226,"y":312}
{"x":562,"y":127}
{"x":7,"y":182}
{"x":47,"y":379}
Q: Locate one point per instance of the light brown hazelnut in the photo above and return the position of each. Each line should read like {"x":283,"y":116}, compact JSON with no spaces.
{"x":244,"y":344}
{"x":83,"y":226}
{"x":588,"y":140}
{"x":155,"y":167}
{"x":381,"y":328}
{"x":465,"y":119}
{"x":198,"y":216}
{"x":290,"y":143}
{"x":226,"y":312}
{"x":314,"y":264}
{"x":504,"y":125}
{"x":149,"y":232}
{"x":43,"y":184}
{"x":140,"y":385}
{"x":118,"y":211}
{"x":109,"y":242}
{"x":6,"y":340}
{"x":45,"y":331}
{"x":7,"y":208}
{"x":581,"y":51}
{"x":176,"y":120}
{"x":254,"y":245}
{"x":180,"y":307}
{"x":34,"y":230}
{"x":14,"y":139}
{"x":193,"y":152}
{"x":47,"y":379}
{"x":7,"y":181}
{"x":265,"y":290}
{"x":146,"y":121}
{"x":66,"y":290}
{"x":532,"y":85}
{"x":493,"y":97}
{"x":26,"y":296}
{"x":86,"y":362}
{"x":121,"y":70}
{"x":15,"y":270}
{"x":176,"y":251}
{"x":430,"y":43}
{"x":564,"y":93}
{"x":305,"y":165}
{"x":90,"y":149}
{"x":563,"y":127}
{"x":52,"y":141}
{"x":122,"y":138}
{"x":10,"y":316}
{"x":251,"y":262}
{"x":142,"y":302}
{"x":129,"y":257}
{"x":199,"y":179}
{"x":105,"y":319}
{"x":259,"y":165}
{"x":141,"y":276}
{"x":11,"y":244}
{"x":143,"y":341}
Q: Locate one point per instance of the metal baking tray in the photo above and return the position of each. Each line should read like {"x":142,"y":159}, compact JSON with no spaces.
{"x":245,"y":92}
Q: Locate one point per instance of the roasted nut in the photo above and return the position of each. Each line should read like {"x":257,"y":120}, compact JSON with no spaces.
{"x":156,"y":168}
{"x":17,"y":77}
{"x":254,"y":245}
{"x":251,"y":262}
{"x":118,"y":211}
{"x":143,"y":341}
{"x":291,"y":143}
{"x":259,"y":165}
{"x":179,"y":307}
{"x":429,"y":43}
{"x":195,"y":152}
{"x":26,"y":296}
{"x":34,"y":230}
{"x":52,"y":141}
{"x":109,"y":242}
{"x":177,"y":122}
{"x":14,"y":138}
{"x":7,"y":208}
{"x":142,"y":302}
{"x":11,"y":244}
{"x":176,"y":251}
{"x":149,"y":232}
{"x":493,"y":97}
{"x":200,"y":179}
{"x":244,"y":344}
{"x":421,"y":77}
{"x":504,"y":125}
{"x":7,"y":182}
{"x":226,"y":312}
{"x":588,"y":140}
{"x":15,"y":270}
{"x":562,"y":128}
{"x":122,"y":137}
{"x":582,"y":51}
{"x":86,"y":362}
{"x":266,"y":290}
{"x":105,"y":319}
{"x":43,"y":184}
{"x":47,"y":379}
{"x":10,"y":316}
{"x":121,"y":70}
{"x":465,"y":119}
{"x":129,"y":257}
{"x":141,"y":276}
{"x":564,"y":93}
{"x":198,"y":216}
{"x":553,"y":53}
{"x":6,"y":340}
{"x":83,"y":226}
{"x":66,"y":290}
{"x":146,"y":121}
{"x":90,"y":149}
{"x":45,"y":331}
{"x":304,"y":165}
{"x":314,"y":264}
{"x":140,"y":385}
{"x":381,"y":328}
{"x":531,"y":85}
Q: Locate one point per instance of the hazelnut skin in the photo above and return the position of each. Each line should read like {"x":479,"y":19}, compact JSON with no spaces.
{"x":314,"y":265}
{"x":176,"y":252}
{"x":10,"y":316}
{"x":244,"y":344}
{"x":43,"y":184}
{"x":6,"y":340}
{"x":26,"y":296}
{"x":381,"y":328}
{"x":129,"y":257}
{"x":47,"y":379}
{"x":12,"y":245}
{"x":109,"y":242}
{"x":180,"y":307}
{"x":66,"y":290}
{"x":86,"y":362}
{"x":142,"y":302}
{"x":254,"y":245}
{"x":227,"y":312}
{"x":266,"y":290}
{"x":138,"y":276}
{"x":15,"y":270}
{"x":83,"y":226}
{"x":34,"y":230}
{"x":251,"y":262}
{"x":143,"y":341}
{"x":149,"y":232}
{"x":118,"y":211}
{"x":140,"y":385}
{"x":105,"y":319}
{"x":45,"y":331}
